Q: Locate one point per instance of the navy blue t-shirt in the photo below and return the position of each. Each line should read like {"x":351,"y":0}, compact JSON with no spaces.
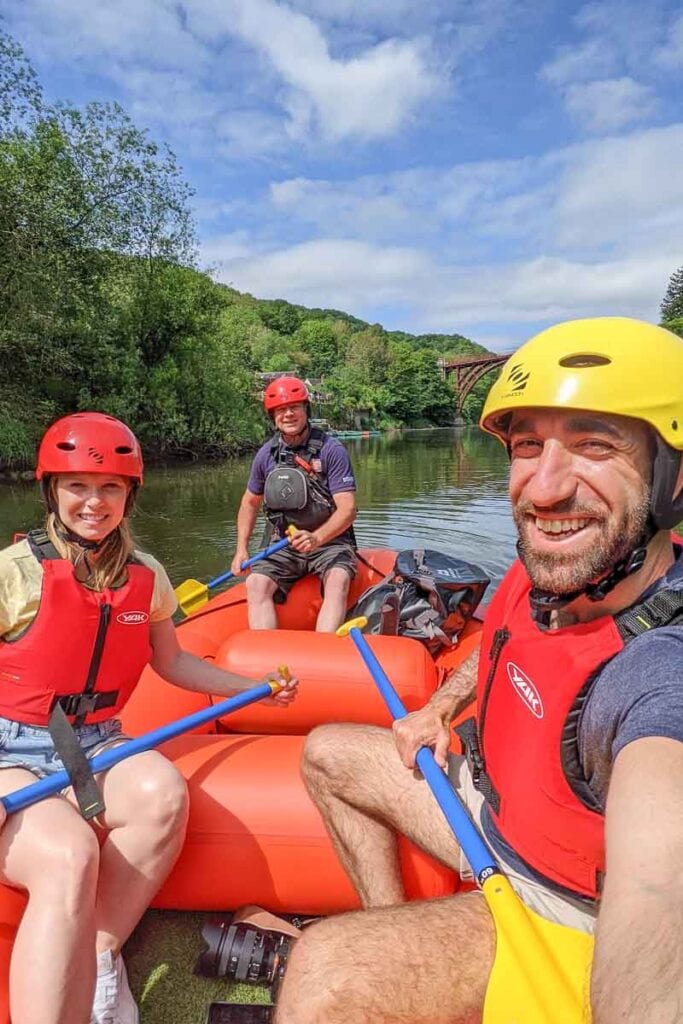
{"x":638,"y":694}
{"x":335,"y":466}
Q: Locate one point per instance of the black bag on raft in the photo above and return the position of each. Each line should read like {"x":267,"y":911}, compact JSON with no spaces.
{"x":428,"y":596}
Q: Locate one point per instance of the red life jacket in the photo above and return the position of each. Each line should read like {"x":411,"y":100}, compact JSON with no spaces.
{"x":84,"y":649}
{"x":523,"y":750}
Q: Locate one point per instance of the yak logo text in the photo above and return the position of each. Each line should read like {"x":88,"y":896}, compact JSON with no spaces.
{"x":526,"y":689}
{"x":132,"y":618}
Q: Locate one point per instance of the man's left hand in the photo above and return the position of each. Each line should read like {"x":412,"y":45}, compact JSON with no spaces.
{"x":305,"y":542}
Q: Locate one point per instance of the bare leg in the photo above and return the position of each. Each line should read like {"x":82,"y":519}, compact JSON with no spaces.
{"x":333,"y":609}
{"x":146,"y":800}
{"x":52,"y":853}
{"x":418,"y":963}
{"x":260,"y":606}
{"x":365,"y":795}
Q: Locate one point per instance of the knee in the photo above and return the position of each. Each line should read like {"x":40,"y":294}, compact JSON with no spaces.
{"x":321,"y":751}
{"x":330,"y":757}
{"x":260,"y":588}
{"x":316,"y":985}
{"x":163,"y":800}
{"x":73,"y":856}
{"x":337,"y":583}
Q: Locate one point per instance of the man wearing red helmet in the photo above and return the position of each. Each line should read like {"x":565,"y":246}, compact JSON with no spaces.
{"x":82,"y":612}
{"x":302,"y":477}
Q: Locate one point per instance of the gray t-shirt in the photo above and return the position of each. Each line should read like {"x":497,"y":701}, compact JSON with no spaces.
{"x":639,"y":693}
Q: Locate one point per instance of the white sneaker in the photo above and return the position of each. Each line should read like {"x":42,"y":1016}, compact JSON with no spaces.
{"x":113,"y":1003}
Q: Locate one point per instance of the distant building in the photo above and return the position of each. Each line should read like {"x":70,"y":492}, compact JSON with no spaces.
{"x":315,"y":387}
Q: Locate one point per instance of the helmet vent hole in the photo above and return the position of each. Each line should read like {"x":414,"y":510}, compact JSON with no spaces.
{"x":123,"y":449}
{"x":66,"y":446}
{"x":584,"y":359}
{"x":97,"y":456}
{"x":674,"y":424}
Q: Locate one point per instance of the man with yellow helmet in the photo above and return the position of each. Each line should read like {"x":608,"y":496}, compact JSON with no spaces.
{"x":574,"y":761}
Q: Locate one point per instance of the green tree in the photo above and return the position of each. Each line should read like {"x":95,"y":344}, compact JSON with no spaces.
{"x":280,"y":316}
{"x":91,"y":214}
{"x":317,"y":339}
{"x":671,"y":308}
{"x":368,"y":352}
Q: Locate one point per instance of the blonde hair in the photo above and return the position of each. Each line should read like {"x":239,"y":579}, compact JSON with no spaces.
{"x":109,"y":568}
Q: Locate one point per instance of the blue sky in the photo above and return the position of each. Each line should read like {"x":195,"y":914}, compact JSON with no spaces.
{"x":484,"y":168}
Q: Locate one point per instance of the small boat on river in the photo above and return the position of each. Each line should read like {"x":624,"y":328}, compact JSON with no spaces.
{"x":254,"y":835}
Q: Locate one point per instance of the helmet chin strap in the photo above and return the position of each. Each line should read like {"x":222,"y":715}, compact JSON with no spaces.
{"x":544,"y":602}
{"x":66,"y":534}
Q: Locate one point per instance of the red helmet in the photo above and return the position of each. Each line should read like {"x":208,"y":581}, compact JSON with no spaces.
{"x":90,"y":442}
{"x":284,"y":391}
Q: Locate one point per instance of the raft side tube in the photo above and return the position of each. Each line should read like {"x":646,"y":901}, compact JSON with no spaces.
{"x":334,"y":685}
{"x":255,"y":836}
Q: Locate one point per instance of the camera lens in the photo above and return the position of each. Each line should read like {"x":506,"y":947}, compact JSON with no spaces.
{"x":240,"y":952}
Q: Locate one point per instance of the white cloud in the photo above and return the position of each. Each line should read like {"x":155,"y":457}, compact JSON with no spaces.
{"x":580,"y":63}
{"x":625,"y":192}
{"x":594,"y":230}
{"x":368,"y":96}
{"x":670,"y":55}
{"x":222,"y":249}
{"x":609,"y":104}
{"x":151,"y":34}
{"x":171,"y":58}
{"x":323,"y":272}
{"x":606,"y":78}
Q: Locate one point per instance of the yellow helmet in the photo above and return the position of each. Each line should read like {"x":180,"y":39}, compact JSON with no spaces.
{"x":605,"y":364}
{"x":612,"y":365}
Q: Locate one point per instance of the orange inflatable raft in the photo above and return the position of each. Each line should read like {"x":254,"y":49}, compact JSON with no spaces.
{"x":254,"y":835}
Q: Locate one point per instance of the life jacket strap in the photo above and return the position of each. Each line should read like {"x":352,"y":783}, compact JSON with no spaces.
{"x":469,"y":737}
{"x":41,"y":545}
{"x":81,"y":704}
{"x":665,"y":608}
{"x":76,"y":764}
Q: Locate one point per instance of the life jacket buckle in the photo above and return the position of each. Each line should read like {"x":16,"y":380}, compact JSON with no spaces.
{"x":78,"y":704}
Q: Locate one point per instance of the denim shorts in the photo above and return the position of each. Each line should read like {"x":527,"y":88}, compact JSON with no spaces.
{"x":31,"y":746}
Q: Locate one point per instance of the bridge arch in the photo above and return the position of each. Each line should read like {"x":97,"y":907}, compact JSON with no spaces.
{"x":467,"y":372}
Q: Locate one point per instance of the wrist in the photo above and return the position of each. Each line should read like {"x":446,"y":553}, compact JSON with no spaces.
{"x":444,"y":706}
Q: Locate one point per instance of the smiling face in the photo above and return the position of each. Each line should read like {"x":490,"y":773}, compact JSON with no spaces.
{"x":91,"y":504}
{"x":579,"y":491}
{"x":291,"y":420}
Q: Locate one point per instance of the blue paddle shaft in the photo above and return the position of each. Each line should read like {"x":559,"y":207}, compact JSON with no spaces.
{"x":471,"y":843}
{"x":250,"y":561}
{"x":56,"y":783}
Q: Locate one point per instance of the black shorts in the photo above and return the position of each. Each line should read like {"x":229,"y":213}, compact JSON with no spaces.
{"x":287,"y":566}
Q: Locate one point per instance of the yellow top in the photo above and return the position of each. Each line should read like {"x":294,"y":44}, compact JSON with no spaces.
{"x":21,"y":579}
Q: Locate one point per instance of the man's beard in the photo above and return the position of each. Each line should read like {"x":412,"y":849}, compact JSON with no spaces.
{"x":564,"y":573}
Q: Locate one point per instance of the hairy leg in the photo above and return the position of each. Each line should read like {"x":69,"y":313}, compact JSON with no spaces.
{"x":333,"y":608}
{"x":260,"y":606}
{"x":366,"y":795}
{"x":417,"y":963}
{"x":146,"y":815}
{"x":49,"y":851}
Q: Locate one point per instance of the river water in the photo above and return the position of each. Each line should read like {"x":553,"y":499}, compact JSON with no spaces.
{"x":442,"y":489}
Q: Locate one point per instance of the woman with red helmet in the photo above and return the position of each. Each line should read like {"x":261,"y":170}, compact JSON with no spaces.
{"x":82,"y":611}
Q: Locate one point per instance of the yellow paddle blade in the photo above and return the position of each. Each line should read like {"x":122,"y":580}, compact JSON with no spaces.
{"x":541,"y":973}
{"x":191,"y":595}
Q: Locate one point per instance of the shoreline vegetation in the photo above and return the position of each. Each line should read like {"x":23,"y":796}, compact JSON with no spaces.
{"x":102,"y":305}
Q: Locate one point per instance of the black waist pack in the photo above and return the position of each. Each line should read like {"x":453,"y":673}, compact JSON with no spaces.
{"x":428,"y":596}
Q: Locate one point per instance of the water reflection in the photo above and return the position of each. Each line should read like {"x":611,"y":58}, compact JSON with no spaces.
{"x":445,"y":489}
